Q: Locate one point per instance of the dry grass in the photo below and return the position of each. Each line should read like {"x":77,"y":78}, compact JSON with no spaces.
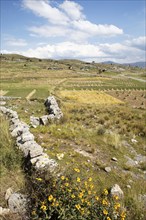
{"x":89,"y":97}
{"x":10,"y":159}
{"x":2,"y":92}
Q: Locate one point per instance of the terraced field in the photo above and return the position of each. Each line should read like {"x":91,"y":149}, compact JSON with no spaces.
{"x":88,"y":97}
{"x":103,"y":119}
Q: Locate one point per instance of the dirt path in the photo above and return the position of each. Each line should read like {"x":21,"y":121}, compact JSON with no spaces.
{"x":31,"y":94}
{"x":3,"y":92}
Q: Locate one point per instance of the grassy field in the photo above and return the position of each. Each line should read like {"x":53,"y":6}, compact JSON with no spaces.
{"x":103,"y":114}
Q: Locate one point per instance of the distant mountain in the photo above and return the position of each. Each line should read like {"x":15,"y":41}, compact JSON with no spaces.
{"x":138,"y":64}
{"x":109,"y":62}
{"x":141,"y":64}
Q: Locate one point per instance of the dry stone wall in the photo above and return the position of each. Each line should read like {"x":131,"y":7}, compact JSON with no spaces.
{"x":34,"y":154}
{"x":54,"y":112}
{"x":25,"y":141}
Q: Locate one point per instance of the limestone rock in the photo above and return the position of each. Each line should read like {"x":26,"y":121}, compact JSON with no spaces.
{"x":31,"y":147}
{"x":2,"y":103}
{"x":44,"y":120}
{"x":116,"y":191}
{"x":35,"y":121}
{"x":3,"y":109}
{"x":114,"y":159}
{"x":52,"y":107}
{"x":17,"y":203}
{"x":27,"y":136}
{"x":44,"y":161}
{"x":107,"y":169}
{"x":19,"y":130}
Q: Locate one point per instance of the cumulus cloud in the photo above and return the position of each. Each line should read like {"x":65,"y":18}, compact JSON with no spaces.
{"x":43,"y":9}
{"x":72,"y":9}
{"x":116,"y":52}
{"x":139,"y":43}
{"x":65,"y":20}
{"x":94,"y":29}
{"x":65,"y":50}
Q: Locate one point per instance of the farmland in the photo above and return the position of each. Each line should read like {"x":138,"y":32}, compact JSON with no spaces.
{"x":103,"y":118}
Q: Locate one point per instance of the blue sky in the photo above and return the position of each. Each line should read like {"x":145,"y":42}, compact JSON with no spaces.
{"x":98,"y":30}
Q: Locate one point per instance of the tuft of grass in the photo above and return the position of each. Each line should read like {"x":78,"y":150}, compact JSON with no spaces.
{"x":11,"y":161}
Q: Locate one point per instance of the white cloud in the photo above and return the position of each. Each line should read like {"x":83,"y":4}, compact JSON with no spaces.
{"x":65,"y":20}
{"x":139,"y":43}
{"x":72,"y":9}
{"x":43,"y":9}
{"x":94,"y":29}
{"x":116,"y":52}
{"x":13,"y":42}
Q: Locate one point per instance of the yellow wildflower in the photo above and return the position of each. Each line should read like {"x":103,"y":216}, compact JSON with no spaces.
{"x":91,"y":186}
{"x":78,"y":206}
{"x":116,"y":206}
{"x":77,"y":170}
{"x":82,"y":211}
{"x":39,"y":179}
{"x":90,"y":179}
{"x":78,"y":179}
{"x":44,"y":207}
{"x":104,"y":202}
{"x":50,"y":198}
{"x":89,"y":192}
{"x":72,"y":196}
{"x":108,"y":218}
{"x":54,"y":199}
{"x":80,"y":195}
{"x":82,"y":200}
{"x":97,"y":198}
{"x":105,"y":192}
{"x":66,"y":184}
{"x":63,"y":177}
{"x":105,"y":212}
{"x":123,"y":215}
{"x":116,"y":197}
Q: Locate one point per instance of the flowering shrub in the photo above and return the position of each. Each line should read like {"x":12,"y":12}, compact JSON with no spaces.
{"x":72,"y":198}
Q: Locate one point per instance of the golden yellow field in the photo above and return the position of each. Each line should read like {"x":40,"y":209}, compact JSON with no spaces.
{"x":88,"y":97}
{"x":88,"y":79}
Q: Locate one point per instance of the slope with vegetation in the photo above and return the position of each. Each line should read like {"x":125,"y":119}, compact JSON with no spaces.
{"x":99,"y":124}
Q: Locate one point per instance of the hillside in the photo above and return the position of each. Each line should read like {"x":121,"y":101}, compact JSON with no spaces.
{"x":99,"y":141}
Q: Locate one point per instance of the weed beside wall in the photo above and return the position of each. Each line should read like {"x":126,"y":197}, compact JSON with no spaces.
{"x":11,"y":162}
{"x":71,"y":197}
